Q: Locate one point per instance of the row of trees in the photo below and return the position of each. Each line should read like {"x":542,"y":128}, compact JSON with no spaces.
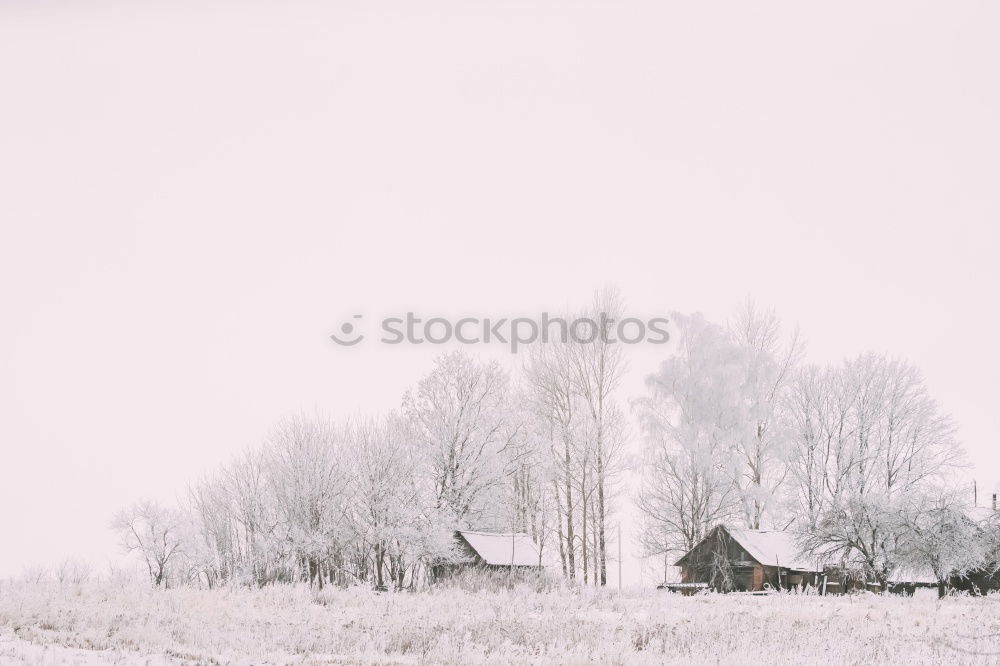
{"x":857,"y":456}
{"x":377,"y":500}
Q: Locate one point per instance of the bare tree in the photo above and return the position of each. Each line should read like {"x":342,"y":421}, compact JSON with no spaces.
{"x":598,"y":367}
{"x":717,"y":435}
{"x":817,"y":410}
{"x":691,"y":417}
{"x":35,"y":574}
{"x":459,"y":415}
{"x":154,"y":532}
{"x":550,"y":378}
{"x":307,"y":475}
{"x":72,"y":571}
{"x":532,"y":502}
{"x":892,"y":446}
{"x":768,"y":367}
{"x":391,"y":509}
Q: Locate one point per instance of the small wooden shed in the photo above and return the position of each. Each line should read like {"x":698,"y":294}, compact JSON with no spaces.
{"x":730,"y":559}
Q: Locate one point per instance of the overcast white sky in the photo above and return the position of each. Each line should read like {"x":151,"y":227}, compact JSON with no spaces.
{"x":194,"y":195}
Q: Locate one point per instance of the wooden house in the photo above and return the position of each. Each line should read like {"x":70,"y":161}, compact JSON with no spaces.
{"x":730,"y":559}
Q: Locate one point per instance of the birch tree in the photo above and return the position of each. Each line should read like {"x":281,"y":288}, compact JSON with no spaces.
{"x":550,"y":380}
{"x":597,"y":370}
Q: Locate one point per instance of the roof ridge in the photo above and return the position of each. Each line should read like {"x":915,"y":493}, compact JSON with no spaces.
{"x":484,"y":533}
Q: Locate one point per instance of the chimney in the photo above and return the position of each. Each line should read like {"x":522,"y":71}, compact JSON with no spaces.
{"x":994,"y":501}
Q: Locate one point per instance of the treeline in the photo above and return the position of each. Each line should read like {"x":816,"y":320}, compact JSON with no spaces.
{"x":377,"y":500}
{"x":857,"y":457}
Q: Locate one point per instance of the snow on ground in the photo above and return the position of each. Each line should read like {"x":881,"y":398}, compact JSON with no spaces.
{"x":17,"y":651}
{"x":284,"y":625}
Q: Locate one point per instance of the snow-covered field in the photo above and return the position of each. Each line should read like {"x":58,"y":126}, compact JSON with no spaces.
{"x":282,"y":625}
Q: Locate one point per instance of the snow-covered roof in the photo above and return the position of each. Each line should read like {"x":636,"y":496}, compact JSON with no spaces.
{"x":774,"y":548}
{"x":503,"y":549}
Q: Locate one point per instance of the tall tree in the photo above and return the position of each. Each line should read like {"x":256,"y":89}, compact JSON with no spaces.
{"x":691,"y":417}
{"x":818,"y":415}
{"x":390,"y":511}
{"x":895,"y":445}
{"x":308,"y":476}
{"x":598,"y":367}
{"x":549,"y":375}
{"x":459,"y":414}
{"x":769,"y":362}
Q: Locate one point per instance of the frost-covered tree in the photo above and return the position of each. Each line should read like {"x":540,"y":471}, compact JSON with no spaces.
{"x":155,"y":533}
{"x":307,"y":474}
{"x":459,"y":415}
{"x":818,"y":415}
{"x":760,"y":449}
{"x":561,"y":418}
{"x":894,"y":445}
{"x":691,"y":418}
{"x":716,"y":431}
{"x":72,"y":571}
{"x":530,"y":503}
{"x":939,"y":535}
{"x":597,"y":369}
{"x":392,"y":510}
{"x":238,"y":535}
{"x":320,"y":503}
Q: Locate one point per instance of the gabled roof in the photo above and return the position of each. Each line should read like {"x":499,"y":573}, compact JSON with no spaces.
{"x":503,"y":548}
{"x":773,"y":548}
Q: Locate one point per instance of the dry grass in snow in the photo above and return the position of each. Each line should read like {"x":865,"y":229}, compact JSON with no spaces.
{"x":283,"y":625}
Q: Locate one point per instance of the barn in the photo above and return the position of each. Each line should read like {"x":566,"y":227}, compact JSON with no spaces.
{"x":730,"y":559}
